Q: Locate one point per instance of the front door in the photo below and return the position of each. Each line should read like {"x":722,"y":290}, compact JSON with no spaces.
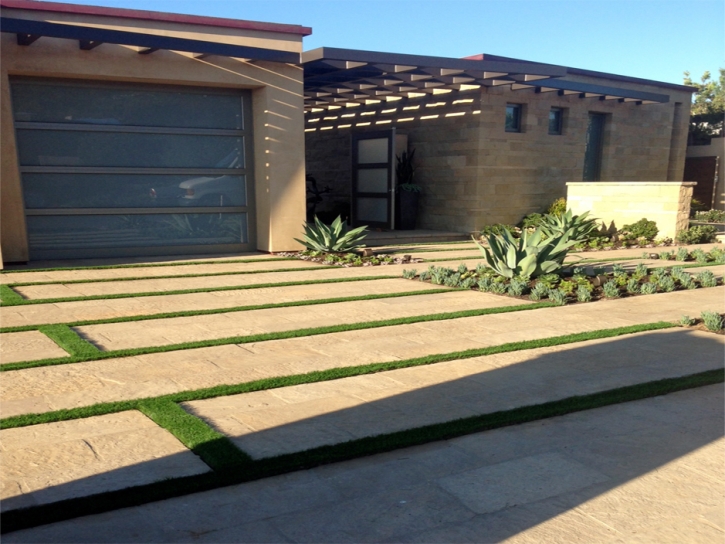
{"x":373,"y":169}
{"x":593,"y":153}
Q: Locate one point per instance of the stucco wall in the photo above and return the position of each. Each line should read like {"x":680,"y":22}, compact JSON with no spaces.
{"x":277,"y":113}
{"x":622,"y":203}
{"x":475,"y":173}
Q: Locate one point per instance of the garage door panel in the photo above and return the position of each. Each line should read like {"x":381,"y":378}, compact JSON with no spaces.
{"x":75,"y":148}
{"x":58,"y":191}
{"x":113,"y":105}
{"x":84,"y":233}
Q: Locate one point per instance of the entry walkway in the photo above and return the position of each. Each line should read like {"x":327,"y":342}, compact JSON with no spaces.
{"x":645,"y":471}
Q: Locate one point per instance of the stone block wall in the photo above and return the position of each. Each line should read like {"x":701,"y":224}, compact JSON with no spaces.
{"x":621,"y":203}
{"x":474,"y":173}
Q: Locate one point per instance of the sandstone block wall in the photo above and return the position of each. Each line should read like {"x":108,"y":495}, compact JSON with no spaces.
{"x":620,"y":203}
{"x":474,"y":173}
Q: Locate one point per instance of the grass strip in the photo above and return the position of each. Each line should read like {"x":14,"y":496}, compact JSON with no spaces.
{"x":142,"y":265}
{"x":200,"y":290}
{"x":8,"y":297}
{"x":67,"y":339}
{"x":191,"y":313}
{"x":71,"y":508}
{"x":264,"y":337}
{"x":215,"y":449}
{"x":169,"y":277}
{"x":326,"y":375}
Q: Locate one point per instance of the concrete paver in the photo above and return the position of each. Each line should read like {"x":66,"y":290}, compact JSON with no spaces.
{"x":55,"y":461}
{"x":645,"y":471}
{"x":67,"y":312}
{"x":219,"y":266}
{"x":81,"y":384}
{"x":325,"y":272}
{"x":175,"y":330}
{"x":291,"y":419}
{"x":27,"y":346}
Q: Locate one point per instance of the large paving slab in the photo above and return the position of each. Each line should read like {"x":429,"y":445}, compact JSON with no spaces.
{"x":55,"y":461}
{"x":27,"y":346}
{"x":324,"y":272}
{"x":292,"y":419}
{"x":49,"y":388}
{"x":66,"y":312}
{"x":154,"y":271}
{"x":159,"y":332}
{"x":646,"y":471}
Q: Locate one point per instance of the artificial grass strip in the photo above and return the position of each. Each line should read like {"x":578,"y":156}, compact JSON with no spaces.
{"x":9,"y":297}
{"x":68,"y":509}
{"x":142,"y":265}
{"x":215,"y":449}
{"x":169,"y":277}
{"x":327,"y":375}
{"x":67,"y":339}
{"x":200,"y":290}
{"x":282,"y":335}
{"x":191,"y":313}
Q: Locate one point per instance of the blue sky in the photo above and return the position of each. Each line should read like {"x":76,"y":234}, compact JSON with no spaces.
{"x":653,"y":39}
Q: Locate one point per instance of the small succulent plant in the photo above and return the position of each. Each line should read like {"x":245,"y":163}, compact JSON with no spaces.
{"x":583,"y":294}
{"x":649,"y":288}
{"x":713,"y":321}
{"x":687,"y":321}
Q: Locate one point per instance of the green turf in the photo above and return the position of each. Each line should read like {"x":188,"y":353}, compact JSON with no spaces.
{"x":326,"y":375}
{"x":264,"y":337}
{"x":141,"y":265}
{"x":8,"y":297}
{"x":70,"y":341}
{"x":68,"y":509}
{"x":215,"y":449}
{"x":201,"y":290}
{"x":191,"y":313}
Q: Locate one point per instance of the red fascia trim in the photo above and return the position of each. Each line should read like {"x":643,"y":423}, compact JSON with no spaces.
{"x":123,"y":13}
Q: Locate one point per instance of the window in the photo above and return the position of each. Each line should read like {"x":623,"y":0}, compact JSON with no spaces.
{"x":556,"y":118}
{"x":513,"y":117}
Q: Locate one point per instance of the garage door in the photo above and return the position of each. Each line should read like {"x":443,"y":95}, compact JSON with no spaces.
{"x":112,"y":170}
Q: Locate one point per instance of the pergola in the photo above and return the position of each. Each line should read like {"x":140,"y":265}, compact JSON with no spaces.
{"x":335,"y":77}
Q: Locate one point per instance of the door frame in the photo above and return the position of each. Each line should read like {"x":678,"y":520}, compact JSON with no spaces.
{"x":390,"y":166}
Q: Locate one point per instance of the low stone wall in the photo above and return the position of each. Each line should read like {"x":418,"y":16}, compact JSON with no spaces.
{"x":618,"y":203}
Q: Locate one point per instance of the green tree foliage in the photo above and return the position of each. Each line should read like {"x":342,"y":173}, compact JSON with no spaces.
{"x":708,"y":106}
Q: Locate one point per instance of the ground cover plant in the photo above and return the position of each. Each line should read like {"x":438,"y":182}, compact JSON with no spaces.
{"x":710,"y":216}
{"x":698,"y":234}
{"x":708,"y":321}
{"x":715,"y":256}
{"x":569,"y":284}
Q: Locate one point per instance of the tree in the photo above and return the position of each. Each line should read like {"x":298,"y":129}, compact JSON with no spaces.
{"x":708,"y":107}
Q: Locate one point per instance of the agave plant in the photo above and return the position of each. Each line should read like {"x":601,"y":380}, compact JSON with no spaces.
{"x":334,"y":238}
{"x":529,"y":256}
{"x":580,"y":226}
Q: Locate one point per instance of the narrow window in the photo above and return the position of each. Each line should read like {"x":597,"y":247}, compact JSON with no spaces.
{"x":556,"y":116}
{"x":513,"y":117}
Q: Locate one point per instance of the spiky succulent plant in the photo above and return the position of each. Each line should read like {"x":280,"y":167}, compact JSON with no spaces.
{"x":334,"y":238}
{"x":580,"y":227}
{"x":529,"y":256}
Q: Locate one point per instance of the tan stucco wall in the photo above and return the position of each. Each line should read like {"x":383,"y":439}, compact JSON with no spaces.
{"x":715,"y":149}
{"x":277,"y":116}
{"x":622,"y":203}
{"x":475,"y":173}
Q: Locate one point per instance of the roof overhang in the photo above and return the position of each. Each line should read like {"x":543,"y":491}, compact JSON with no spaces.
{"x":335,"y":77}
{"x":340,"y":76}
{"x":28,"y":31}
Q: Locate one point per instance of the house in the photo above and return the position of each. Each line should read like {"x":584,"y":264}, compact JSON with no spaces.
{"x":131,"y":133}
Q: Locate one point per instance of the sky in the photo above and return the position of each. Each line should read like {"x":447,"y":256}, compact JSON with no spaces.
{"x":652,"y":39}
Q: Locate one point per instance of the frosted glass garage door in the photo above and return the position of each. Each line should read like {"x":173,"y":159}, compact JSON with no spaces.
{"x":114,"y":170}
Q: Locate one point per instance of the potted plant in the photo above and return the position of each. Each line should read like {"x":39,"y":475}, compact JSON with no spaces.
{"x":407,"y":191}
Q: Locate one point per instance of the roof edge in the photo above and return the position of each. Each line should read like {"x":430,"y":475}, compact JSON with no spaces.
{"x":124,"y":13}
{"x":594,"y":73}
